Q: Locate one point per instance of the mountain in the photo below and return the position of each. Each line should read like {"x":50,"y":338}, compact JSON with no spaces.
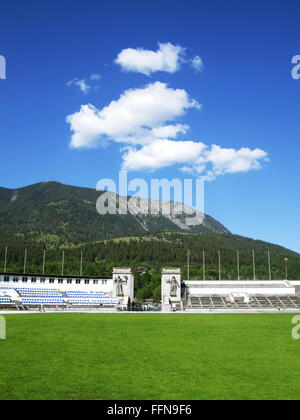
{"x":54,"y":216}
{"x":57,"y":214}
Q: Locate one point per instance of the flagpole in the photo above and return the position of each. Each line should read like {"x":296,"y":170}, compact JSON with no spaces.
{"x":25,"y":261}
{"x":63,"y":263}
{"x":81,"y":264}
{"x":286,"y":260}
{"x":5,"y":260}
{"x":269,"y":262}
{"x":254,"y":267}
{"x":44,"y":261}
{"x":238,"y":265}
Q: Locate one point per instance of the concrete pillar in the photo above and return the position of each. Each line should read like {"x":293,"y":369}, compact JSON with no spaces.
{"x":123,"y":285}
{"x":170,"y":288}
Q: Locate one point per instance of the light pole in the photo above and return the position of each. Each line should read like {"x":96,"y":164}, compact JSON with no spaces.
{"x":286,"y":268}
{"x":25,"y":261}
{"x":269,"y":264}
{"x":63,"y":263}
{"x":254,"y":266}
{"x":5,"y":260}
{"x":81,"y":263}
{"x":188,"y":264}
{"x":44,"y":261}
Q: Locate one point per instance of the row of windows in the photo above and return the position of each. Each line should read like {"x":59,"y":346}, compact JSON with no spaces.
{"x":52,"y":280}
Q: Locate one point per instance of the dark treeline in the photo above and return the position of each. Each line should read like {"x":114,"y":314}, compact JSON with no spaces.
{"x":155,"y":252}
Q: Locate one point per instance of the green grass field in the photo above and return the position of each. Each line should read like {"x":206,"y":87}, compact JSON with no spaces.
{"x":149,"y":356}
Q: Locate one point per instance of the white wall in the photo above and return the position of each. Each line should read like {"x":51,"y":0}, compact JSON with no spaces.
{"x":104,"y":285}
{"x":295,"y":283}
{"x":260,"y":291}
{"x":255,"y":288}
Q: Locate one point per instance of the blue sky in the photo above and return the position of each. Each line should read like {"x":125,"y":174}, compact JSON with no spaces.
{"x":248,"y":97}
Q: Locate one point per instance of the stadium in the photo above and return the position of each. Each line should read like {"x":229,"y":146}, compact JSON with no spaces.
{"x":211,"y":340}
{"x":149,"y":215}
{"x":41,"y":292}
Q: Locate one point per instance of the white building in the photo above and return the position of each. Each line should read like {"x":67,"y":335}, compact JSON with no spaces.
{"x":226,"y":295}
{"x":32,"y":290}
{"x":63,"y":283}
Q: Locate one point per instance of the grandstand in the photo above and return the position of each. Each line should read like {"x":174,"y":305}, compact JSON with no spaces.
{"x":32,"y":292}
{"x":26,"y":292}
{"x":259,"y":303}
{"x":226,"y":295}
{"x":28,"y":298}
{"x":200,"y":296}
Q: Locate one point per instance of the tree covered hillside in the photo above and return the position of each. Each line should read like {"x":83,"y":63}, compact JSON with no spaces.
{"x":161,"y":250}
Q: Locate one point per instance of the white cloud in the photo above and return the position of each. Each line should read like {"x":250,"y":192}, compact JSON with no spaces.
{"x":230,"y":161}
{"x":144,"y":121}
{"x":167,"y":58}
{"x":162,"y":153}
{"x":82,"y":84}
{"x":169,"y":131}
{"x":195,"y":157}
{"x":197,"y":63}
{"x":137,"y":117}
{"x":95,"y":76}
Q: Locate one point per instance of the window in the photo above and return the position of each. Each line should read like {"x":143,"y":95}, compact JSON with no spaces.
{"x":69,"y":281}
{"x":6,"y":278}
{"x":24,"y":280}
{"x":86,"y":282}
{"x":51,"y":281}
{"x":43,"y":281}
{"x":60,"y":281}
{"x":33,"y":279}
{"x":16,"y":279}
{"x":95,"y":281}
{"x":78,"y":281}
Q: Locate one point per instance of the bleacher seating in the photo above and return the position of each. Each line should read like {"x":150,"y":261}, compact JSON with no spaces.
{"x":259,"y":302}
{"x":5,"y":301}
{"x":33,"y":297}
{"x":43,"y":293}
{"x":80,"y":298}
{"x":74,"y":294}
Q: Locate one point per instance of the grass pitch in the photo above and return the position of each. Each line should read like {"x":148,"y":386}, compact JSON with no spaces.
{"x":149,"y":356}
